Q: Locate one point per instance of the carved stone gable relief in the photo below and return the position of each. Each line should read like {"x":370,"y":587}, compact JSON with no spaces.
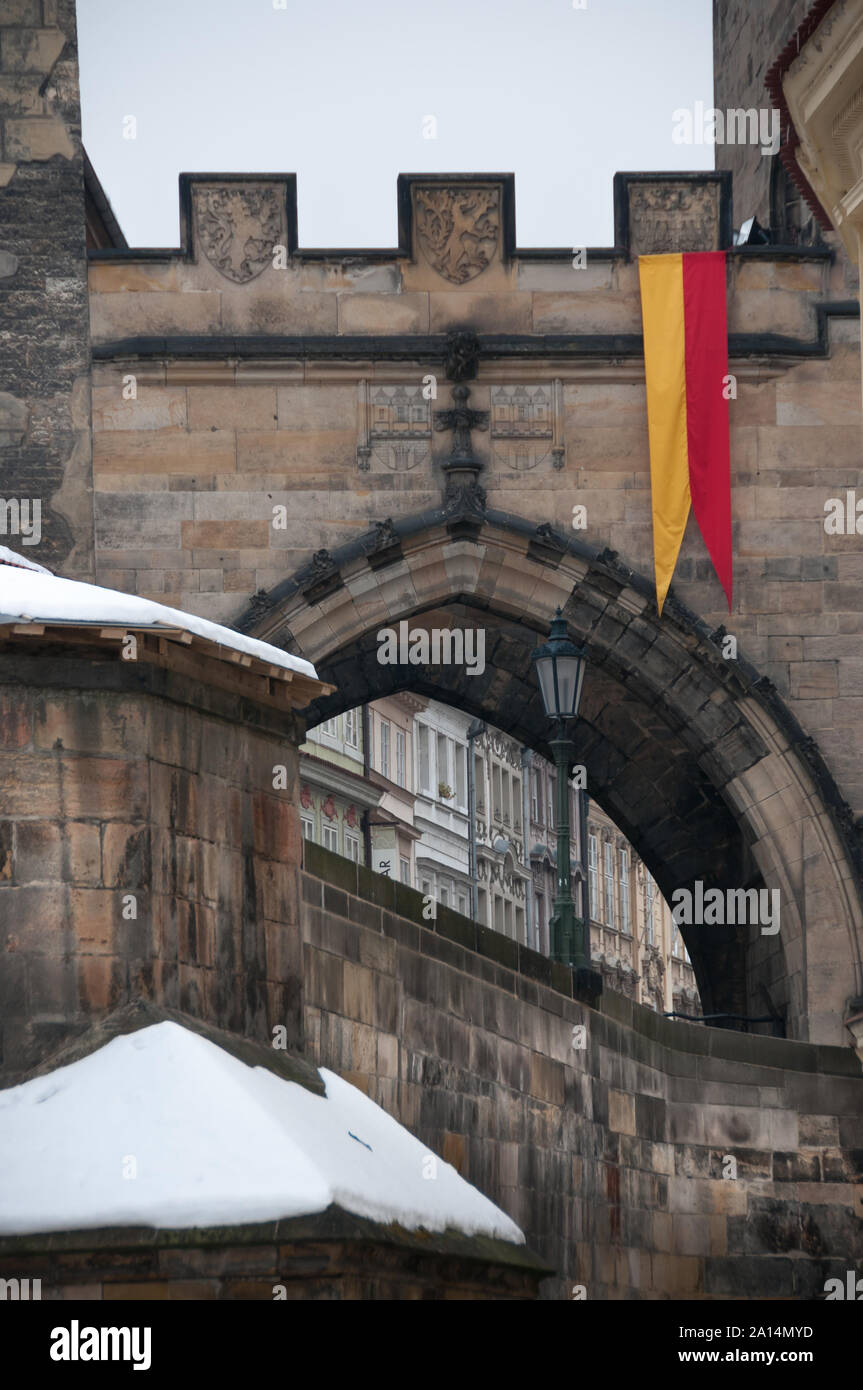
{"x":670,"y":216}
{"x":458,"y":229}
{"x":237,"y":227}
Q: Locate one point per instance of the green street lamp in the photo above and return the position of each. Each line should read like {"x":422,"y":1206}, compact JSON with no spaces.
{"x":560,"y":668}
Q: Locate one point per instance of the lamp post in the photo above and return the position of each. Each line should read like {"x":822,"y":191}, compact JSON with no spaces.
{"x":560,"y":671}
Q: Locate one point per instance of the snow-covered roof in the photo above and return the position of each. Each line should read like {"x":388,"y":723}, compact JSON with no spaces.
{"x":161,"y":1127}
{"x":30,"y":593}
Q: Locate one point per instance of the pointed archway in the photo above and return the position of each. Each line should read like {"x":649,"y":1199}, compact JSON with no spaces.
{"x":694,"y":755}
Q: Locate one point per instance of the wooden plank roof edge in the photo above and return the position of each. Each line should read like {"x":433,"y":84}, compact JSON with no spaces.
{"x":217,"y":651}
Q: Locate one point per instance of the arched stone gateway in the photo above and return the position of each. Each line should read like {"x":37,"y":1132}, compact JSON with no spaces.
{"x":693,"y":754}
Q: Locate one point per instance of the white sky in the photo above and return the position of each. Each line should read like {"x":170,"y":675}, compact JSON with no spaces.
{"x":337,"y":93}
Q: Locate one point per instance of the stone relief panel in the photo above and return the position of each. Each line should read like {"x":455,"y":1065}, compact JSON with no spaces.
{"x":395,"y":428}
{"x":458,"y":229}
{"x":527,"y":426}
{"x":237,"y":227}
{"x":670,"y":216}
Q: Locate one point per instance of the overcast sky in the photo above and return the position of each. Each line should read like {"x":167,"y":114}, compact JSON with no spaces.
{"x":339,"y":93}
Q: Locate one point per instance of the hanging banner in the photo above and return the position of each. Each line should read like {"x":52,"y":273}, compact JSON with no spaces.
{"x":686,"y":366}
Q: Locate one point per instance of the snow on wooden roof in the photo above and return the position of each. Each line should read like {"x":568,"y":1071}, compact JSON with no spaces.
{"x":36,"y":603}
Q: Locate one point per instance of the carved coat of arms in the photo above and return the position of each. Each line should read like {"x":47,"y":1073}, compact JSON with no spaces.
{"x":458,"y":229}
{"x":238,"y":227}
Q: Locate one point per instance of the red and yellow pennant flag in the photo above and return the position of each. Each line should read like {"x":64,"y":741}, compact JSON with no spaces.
{"x":685,"y":366}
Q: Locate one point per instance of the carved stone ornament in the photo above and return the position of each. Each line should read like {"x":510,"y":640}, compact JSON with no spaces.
{"x":668,"y":216}
{"x":382,"y":538}
{"x":464,"y":499}
{"x":458,"y":229}
{"x":320,"y":567}
{"x":260,"y":604}
{"x":237,"y":228}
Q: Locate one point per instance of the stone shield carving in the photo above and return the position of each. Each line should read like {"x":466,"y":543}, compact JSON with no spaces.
{"x":458,"y":229}
{"x":668,"y":216}
{"x":238,"y":227}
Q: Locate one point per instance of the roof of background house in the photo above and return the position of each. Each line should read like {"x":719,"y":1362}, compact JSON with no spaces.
{"x":790,"y":137}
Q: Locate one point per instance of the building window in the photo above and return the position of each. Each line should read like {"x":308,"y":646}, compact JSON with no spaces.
{"x":498,"y":913}
{"x":462,"y":904}
{"x":625,"y":921}
{"x":479,"y":782}
{"x":534,"y":796}
{"x":516,"y":803}
{"x":308,"y":828}
{"x":608,"y":849}
{"x":593,"y":876}
{"x":442,"y":764}
{"x":650,"y":909}
{"x":507,"y":916}
{"x":352,"y":847}
{"x":385,"y":748}
{"x":550,"y":799}
{"x":460,"y":776}
{"x":330,"y":727}
{"x":497,"y":801}
{"x":405,"y":871}
{"x":400,"y":758}
{"x":352,"y":728}
{"x":423,"y":757}
{"x":482,"y":907}
{"x":444,"y":897}
{"x":539,"y":919}
{"x":330,"y":837}
{"x":519,"y":926}
{"x":425,"y":888}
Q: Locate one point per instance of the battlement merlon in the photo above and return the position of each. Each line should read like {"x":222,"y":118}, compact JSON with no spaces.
{"x":240,"y":285}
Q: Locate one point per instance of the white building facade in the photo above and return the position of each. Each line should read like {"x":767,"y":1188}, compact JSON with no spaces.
{"x":466,"y":815}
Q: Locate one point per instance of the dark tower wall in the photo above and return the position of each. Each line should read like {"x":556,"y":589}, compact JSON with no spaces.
{"x":45,"y":451}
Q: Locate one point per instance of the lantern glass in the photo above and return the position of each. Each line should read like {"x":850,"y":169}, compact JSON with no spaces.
{"x":569,"y":676}
{"x":560,"y":672}
{"x":545,"y":674}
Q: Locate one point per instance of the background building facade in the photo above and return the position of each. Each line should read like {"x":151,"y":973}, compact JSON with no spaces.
{"x":466,"y":815}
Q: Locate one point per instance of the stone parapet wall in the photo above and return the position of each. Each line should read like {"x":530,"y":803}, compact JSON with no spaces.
{"x":614,"y":1158}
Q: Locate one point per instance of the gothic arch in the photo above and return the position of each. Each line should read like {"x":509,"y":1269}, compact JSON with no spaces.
{"x":695,"y":757}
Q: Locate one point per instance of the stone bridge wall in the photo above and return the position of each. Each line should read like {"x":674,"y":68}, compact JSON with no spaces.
{"x":611,"y":1158}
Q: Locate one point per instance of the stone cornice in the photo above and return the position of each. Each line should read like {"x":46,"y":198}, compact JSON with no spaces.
{"x":425,"y":348}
